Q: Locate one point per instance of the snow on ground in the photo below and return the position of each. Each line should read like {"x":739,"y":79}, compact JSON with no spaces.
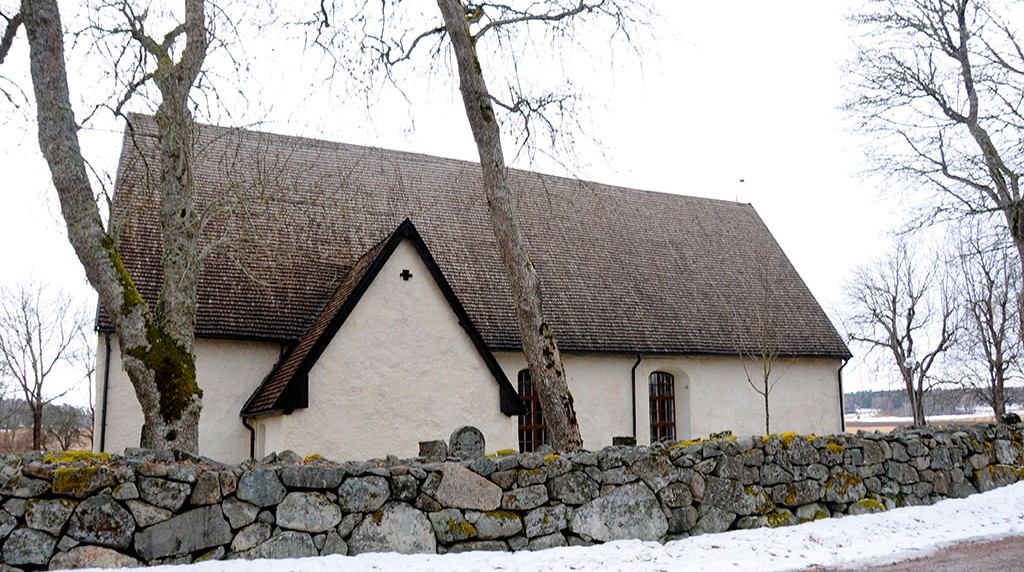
{"x":851,"y":541}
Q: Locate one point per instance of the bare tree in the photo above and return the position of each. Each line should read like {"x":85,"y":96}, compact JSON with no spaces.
{"x":538,"y":338}
{"x":940,"y":84}
{"x":759,"y":362}
{"x":903,"y":308}
{"x":67,"y":425}
{"x":39,"y":333}
{"x":989,"y":350}
{"x":156,"y":343}
{"x":387,"y":39}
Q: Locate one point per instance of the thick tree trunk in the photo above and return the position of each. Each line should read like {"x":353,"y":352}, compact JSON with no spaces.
{"x":998,"y":399}
{"x":159,"y":362}
{"x":538,"y":338}
{"x":917,"y":403}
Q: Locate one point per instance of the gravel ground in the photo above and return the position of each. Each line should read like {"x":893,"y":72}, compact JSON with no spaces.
{"x":1002,"y":554}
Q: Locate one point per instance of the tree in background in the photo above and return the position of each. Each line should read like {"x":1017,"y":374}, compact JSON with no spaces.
{"x":68,"y":426}
{"x":759,"y":359}
{"x":40,"y":334}
{"x":939,"y":84}
{"x":903,"y":309}
{"x":156,"y":343}
{"x":989,"y":349}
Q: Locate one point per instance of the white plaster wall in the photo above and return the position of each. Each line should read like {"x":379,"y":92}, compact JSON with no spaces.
{"x":399,"y":371}
{"x":600,"y":387}
{"x":712,"y":394}
{"x":269,"y":435}
{"x":227,"y":371}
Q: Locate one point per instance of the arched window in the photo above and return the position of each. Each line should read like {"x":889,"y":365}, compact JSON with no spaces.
{"x":663,"y":407}
{"x":533,"y":432}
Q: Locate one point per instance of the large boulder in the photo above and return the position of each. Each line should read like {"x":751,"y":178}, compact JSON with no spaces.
{"x":732,"y":496}
{"x":524,"y":498}
{"x":499,"y":524}
{"x":462,"y":488}
{"x":363,"y":494}
{"x":92,"y":557}
{"x":312,"y":476}
{"x":288,"y":544}
{"x":239,"y":513}
{"x":163,"y":493}
{"x":573,"y":488}
{"x":309,"y":512}
{"x":655,"y":470}
{"x":251,"y":536}
{"x":450,"y":525}
{"x":545,"y":520}
{"x":630,"y":511}
{"x":844,"y":487}
{"x":194,"y":530}
{"x":101,"y":520}
{"x":261,"y":487}
{"x":398,"y":527}
{"x":28,"y":546}
{"x":48,"y":515}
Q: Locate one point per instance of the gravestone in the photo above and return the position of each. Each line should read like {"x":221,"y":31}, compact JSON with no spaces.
{"x":466,"y":443}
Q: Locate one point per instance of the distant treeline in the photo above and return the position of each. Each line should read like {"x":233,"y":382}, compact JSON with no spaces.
{"x":937,"y":401}
{"x":64,"y":426}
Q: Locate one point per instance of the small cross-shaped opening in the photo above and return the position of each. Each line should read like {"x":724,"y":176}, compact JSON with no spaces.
{"x":406,"y":275}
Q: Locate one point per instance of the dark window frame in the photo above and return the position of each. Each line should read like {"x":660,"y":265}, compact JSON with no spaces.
{"x":533,"y":431}
{"x":662,"y":391}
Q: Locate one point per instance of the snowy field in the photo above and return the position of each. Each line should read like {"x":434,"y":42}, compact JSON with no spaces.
{"x":855,"y":540}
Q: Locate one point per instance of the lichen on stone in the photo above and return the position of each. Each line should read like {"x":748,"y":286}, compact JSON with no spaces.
{"x":68,"y":457}
{"x":835,"y":448}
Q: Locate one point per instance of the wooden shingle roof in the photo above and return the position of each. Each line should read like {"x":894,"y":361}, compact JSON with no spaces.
{"x":622,"y":271}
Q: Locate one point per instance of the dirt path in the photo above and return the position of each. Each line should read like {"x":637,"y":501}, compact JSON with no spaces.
{"x":1003,"y":554}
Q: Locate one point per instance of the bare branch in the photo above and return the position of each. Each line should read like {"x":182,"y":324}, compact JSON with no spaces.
{"x":10,"y":30}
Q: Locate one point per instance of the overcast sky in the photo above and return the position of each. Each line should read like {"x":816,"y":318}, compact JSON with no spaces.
{"x":736,"y":100}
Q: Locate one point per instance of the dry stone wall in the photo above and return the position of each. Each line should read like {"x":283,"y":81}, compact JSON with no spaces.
{"x":147,"y":507}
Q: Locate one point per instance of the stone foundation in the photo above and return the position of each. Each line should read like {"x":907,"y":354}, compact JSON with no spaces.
{"x":147,"y":507}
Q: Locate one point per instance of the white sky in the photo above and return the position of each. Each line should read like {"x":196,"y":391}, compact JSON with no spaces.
{"x":728,"y":91}
{"x":851,"y":542}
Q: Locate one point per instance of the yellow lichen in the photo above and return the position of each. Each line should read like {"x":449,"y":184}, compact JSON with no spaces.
{"x":502,"y":515}
{"x":788,"y":437}
{"x":463,"y":528}
{"x":68,"y":457}
{"x":871,"y":504}
{"x":73,"y":481}
{"x":506,"y":452}
{"x":550,"y":458}
{"x":684,"y":444}
{"x":835,"y":448}
{"x":313,"y":457}
{"x":778,"y":518}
